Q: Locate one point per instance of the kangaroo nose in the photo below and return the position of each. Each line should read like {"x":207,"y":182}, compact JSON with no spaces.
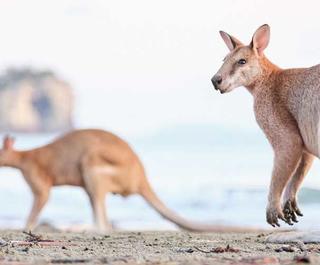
{"x":216,"y":80}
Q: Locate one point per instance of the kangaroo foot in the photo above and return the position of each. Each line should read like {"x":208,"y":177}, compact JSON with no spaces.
{"x":273,"y":215}
{"x":290,"y":211}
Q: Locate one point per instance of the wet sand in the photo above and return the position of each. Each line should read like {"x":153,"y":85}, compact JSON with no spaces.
{"x":154,"y":247}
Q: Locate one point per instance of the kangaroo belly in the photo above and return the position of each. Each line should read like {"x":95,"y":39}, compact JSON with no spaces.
{"x":309,"y":126}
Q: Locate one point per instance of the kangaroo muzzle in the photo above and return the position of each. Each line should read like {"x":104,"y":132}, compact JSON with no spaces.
{"x":216,"y":81}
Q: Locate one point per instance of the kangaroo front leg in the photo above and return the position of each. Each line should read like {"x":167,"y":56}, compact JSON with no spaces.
{"x":290,"y":204}
{"x":285,"y":163}
{"x":38,"y":202}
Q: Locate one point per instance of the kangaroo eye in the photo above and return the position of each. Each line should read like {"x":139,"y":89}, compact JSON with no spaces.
{"x":242,"y":61}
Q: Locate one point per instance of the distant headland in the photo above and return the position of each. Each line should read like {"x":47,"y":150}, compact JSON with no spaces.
{"x":34,"y":101}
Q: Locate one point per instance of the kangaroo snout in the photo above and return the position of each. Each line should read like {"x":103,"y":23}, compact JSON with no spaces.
{"x":216,"y":81}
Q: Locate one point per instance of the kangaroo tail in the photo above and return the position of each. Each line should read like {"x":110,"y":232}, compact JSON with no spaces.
{"x":149,"y":195}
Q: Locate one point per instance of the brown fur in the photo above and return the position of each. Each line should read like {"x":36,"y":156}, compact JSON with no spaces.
{"x":287,"y":108}
{"x":95,"y":160}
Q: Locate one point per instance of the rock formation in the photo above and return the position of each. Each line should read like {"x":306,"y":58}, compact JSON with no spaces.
{"x":34,"y":101}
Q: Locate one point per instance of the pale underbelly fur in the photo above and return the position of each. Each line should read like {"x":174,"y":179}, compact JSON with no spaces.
{"x":309,"y":125}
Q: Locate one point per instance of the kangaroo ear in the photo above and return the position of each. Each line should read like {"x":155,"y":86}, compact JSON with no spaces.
{"x":230,"y":41}
{"x":8,"y":142}
{"x":260,"y":39}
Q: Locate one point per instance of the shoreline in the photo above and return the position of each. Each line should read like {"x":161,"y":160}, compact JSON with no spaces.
{"x":150,"y":247}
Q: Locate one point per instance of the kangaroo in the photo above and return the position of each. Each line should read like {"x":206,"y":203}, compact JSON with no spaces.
{"x":100,"y":163}
{"x":286,"y":107}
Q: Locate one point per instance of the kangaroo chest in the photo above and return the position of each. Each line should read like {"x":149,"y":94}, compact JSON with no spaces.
{"x":275,"y":120}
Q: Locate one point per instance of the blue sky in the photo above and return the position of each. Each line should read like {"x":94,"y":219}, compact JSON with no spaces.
{"x":138,"y":66}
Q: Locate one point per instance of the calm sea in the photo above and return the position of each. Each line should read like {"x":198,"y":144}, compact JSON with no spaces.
{"x":218,"y":178}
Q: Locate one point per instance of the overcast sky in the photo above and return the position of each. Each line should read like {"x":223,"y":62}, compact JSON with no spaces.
{"x":137,"y":66}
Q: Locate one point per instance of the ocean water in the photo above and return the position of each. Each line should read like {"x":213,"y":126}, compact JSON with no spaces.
{"x":201,"y":174}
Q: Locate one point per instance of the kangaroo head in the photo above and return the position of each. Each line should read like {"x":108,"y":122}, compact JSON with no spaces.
{"x":6,"y":151}
{"x":242,"y":66}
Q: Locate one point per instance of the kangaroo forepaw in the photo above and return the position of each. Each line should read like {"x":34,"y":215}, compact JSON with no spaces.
{"x":291,"y":210}
{"x":273,"y":216}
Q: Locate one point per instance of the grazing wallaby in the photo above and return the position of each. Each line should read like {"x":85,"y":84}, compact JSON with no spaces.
{"x":287,"y":108}
{"x":96,"y":160}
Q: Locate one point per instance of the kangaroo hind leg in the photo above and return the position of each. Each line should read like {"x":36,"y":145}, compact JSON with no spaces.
{"x":290,"y":201}
{"x":97,"y":182}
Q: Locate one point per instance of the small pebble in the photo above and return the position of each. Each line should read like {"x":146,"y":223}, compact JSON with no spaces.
{"x":25,"y":249}
{"x":286,"y":248}
{"x":3,"y":242}
{"x":189,"y":250}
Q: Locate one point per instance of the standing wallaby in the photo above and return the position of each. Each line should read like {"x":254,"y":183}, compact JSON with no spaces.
{"x":287,"y":108}
{"x":96,"y":160}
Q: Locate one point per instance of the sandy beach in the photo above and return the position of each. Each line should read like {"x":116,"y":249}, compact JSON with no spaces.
{"x":154,"y":247}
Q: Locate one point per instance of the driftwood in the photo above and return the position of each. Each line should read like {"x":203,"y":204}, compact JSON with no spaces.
{"x":33,"y":239}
